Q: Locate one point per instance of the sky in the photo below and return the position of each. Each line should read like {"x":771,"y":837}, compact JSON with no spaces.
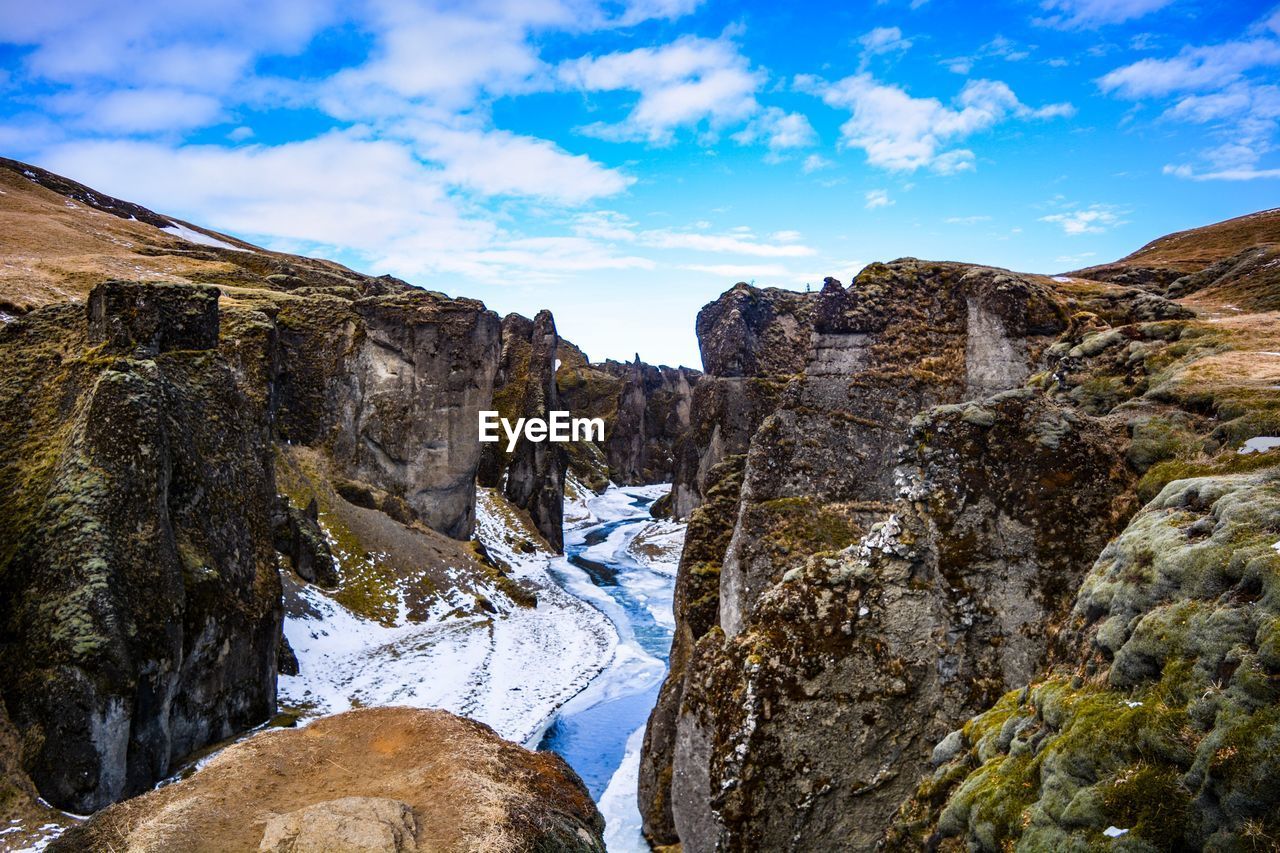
{"x":623,"y":163}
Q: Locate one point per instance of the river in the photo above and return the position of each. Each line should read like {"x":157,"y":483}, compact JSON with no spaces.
{"x":623,"y":563}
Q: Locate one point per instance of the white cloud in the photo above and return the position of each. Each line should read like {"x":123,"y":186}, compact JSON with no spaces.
{"x":741,"y":272}
{"x":740,"y":244}
{"x":686,"y":84}
{"x":204,"y":44}
{"x":882,"y":41}
{"x":966,"y":220}
{"x":139,"y":110}
{"x":903,"y":133}
{"x":337,"y":192}
{"x":1087,"y":14}
{"x":999,"y":47}
{"x":814,"y":163}
{"x":740,"y":240}
{"x":779,"y":130}
{"x":605,"y":225}
{"x":1241,"y":174}
{"x":1095,"y":219}
{"x":877,"y":198}
{"x":498,"y":162}
{"x":1220,"y":87}
{"x":1193,"y":69}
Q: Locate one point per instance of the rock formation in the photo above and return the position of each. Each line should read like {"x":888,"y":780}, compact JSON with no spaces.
{"x":646,"y":411}
{"x":142,"y":602}
{"x":532,"y":475}
{"x":409,"y":780}
{"x":949,"y":451}
{"x":752,"y":342}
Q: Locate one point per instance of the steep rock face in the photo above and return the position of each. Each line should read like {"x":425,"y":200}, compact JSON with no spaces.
{"x":1161,"y":727}
{"x":851,"y":368}
{"x":752,"y":342}
{"x":645,"y":409}
{"x":532,"y":475}
{"x":1154,"y":724}
{"x":695,"y":604}
{"x":653,"y":412}
{"x":807,"y":728}
{"x":378,"y":779}
{"x":901,"y":338}
{"x":391,"y":387}
{"x":141,"y":606}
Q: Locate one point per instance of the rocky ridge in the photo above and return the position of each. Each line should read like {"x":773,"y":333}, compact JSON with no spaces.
{"x":378,"y":779}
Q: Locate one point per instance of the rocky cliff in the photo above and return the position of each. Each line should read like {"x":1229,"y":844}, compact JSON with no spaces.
{"x":532,"y":475}
{"x":172,"y":441}
{"x":949,"y":451}
{"x":142,"y":603}
{"x":645,"y":409}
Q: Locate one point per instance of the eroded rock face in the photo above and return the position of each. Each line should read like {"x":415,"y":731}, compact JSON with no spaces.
{"x":532,"y":475}
{"x":819,"y":472}
{"x":411,"y":780}
{"x":645,"y":409}
{"x":752,"y":342}
{"x":142,"y":602}
{"x":357,"y":824}
{"x":391,"y":386}
{"x":696,"y":604}
{"x":813,"y":722}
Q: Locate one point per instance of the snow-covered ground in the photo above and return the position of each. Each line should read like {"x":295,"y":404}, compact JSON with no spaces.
{"x":511,"y":671}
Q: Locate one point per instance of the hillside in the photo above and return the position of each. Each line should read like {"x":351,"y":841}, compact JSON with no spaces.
{"x":1232,"y":265}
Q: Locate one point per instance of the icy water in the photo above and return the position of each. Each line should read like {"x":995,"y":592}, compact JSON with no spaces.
{"x":600,"y":730}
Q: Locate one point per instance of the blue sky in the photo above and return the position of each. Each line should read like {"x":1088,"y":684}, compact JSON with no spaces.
{"x":622,"y":163}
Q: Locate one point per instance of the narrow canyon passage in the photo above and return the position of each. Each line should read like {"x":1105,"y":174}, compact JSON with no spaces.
{"x":622,"y":562}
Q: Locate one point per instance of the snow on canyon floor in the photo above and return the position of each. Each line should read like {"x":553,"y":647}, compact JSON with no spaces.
{"x":578,"y":673}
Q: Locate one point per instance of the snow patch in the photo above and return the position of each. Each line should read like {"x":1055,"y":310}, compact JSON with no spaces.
{"x":193,"y":236}
{"x":1114,"y":832}
{"x":622,"y":830}
{"x":511,"y":671}
{"x":1260,"y":444}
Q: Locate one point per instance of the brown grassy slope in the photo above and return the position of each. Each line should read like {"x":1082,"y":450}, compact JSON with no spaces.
{"x":59,"y":238}
{"x":469,"y":789}
{"x":1194,"y":249}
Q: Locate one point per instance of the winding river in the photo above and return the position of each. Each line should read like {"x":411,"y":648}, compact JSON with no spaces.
{"x":599,"y":731}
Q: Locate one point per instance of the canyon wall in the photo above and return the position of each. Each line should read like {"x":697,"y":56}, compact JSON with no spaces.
{"x":141,"y":607}
{"x":532,"y":475}
{"x":646,"y":411}
{"x":909,"y":534}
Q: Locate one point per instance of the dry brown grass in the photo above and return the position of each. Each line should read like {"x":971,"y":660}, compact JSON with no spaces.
{"x":1196,"y":248}
{"x":468,"y":788}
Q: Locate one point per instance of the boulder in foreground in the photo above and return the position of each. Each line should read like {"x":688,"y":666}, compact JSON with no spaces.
{"x":376,"y":779}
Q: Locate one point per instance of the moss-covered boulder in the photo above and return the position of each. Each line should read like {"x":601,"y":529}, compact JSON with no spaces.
{"x":1160,"y":729}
